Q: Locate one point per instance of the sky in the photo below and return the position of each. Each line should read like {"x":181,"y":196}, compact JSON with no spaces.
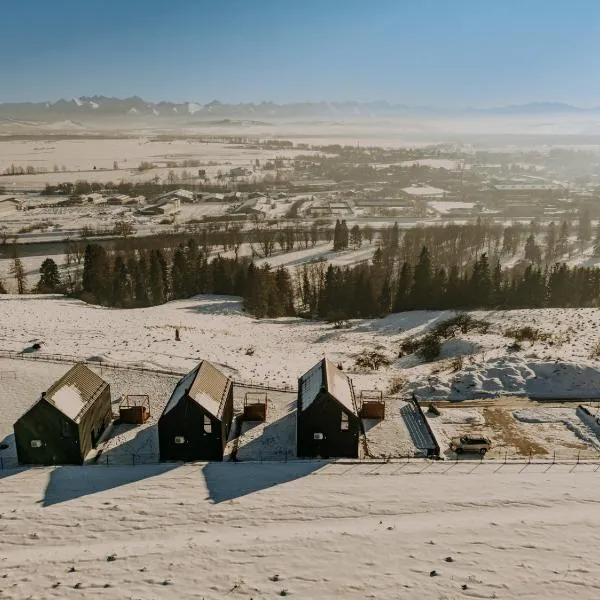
{"x":443,"y":53}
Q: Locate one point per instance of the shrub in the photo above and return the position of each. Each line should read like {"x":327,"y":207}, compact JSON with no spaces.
{"x":431,"y":346}
{"x":595,"y":351}
{"x":457,"y":364}
{"x":396,"y":385}
{"x":371,"y":360}
{"x":463,"y":323}
{"x":527,"y":333}
{"x":409,"y":346}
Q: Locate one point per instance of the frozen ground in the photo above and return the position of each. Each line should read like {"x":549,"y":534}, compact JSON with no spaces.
{"x":518,"y":428}
{"x":336,"y":531}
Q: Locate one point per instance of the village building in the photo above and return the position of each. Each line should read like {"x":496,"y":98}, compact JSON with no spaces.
{"x":197,"y":418}
{"x":328,"y":422}
{"x":67,"y":420}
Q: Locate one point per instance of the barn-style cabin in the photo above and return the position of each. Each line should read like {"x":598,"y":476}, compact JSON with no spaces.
{"x":66,"y":421}
{"x":196,"y":421}
{"x":328,"y":423}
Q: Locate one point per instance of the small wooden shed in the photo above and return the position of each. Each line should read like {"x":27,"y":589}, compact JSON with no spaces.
{"x":197,"y":418}
{"x":255,"y":406}
{"x":66,"y":422}
{"x":372,"y":404}
{"x":328,"y":423}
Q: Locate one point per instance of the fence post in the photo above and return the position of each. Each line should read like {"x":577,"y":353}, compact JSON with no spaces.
{"x":133,"y":459}
{"x":505,"y":456}
{"x":578,"y":453}
{"x":529,"y":462}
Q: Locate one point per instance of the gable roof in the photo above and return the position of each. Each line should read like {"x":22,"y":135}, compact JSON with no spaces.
{"x":206,"y":386}
{"x":325,"y":375}
{"x":75,"y":391}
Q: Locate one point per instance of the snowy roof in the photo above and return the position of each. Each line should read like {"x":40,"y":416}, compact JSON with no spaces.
{"x":204,"y":384}
{"x":75,"y":390}
{"x":326,"y":375}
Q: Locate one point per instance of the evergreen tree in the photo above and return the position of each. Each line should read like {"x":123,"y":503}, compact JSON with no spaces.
{"x":18,"y":272}
{"x":385,"y":297}
{"x":179,"y":274}
{"x":480,"y":284}
{"x":96,"y":272}
{"x":585,"y":226}
{"x":158,"y":291}
{"x":551,"y":240}
{"x":497,"y":296}
{"x":420,"y":293}
{"x":597,"y":241}
{"x":121,"y":283}
{"x":532,"y":250}
{"x":562,"y":244}
{"x":285,"y":291}
{"x":337,"y":236}
{"x":454,"y":297}
{"x":401,"y":299}
{"x":49,"y":282}
{"x":2,"y":287}
{"x":141,"y":281}
{"x":356,"y":236}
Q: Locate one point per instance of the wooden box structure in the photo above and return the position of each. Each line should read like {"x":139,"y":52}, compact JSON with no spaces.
{"x":255,"y":406}
{"x":134,"y":409}
{"x":372,"y":404}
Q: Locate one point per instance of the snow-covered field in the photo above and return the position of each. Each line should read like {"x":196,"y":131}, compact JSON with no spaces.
{"x":305,"y":530}
{"x":217,"y":329}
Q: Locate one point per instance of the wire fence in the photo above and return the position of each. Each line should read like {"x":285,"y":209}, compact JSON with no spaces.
{"x":100,"y":364}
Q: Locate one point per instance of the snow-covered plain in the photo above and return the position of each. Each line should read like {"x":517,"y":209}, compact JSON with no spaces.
{"x":305,"y":530}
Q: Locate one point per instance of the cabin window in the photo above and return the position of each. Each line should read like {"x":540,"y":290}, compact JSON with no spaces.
{"x":317,"y":436}
{"x":179,"y":439}
{"x":36,"y":443}
{"x":345,"y":424}
{"x":66,"y":430}
{"x":207,"y":424}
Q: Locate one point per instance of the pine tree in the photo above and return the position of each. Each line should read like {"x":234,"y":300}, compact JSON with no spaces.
{"x":121,"y":283}
{"x":337,"y":240}
{"x":597,"y":241}
{"x":454,"y":296}
{"x":585,"y":226}
{"x":420,"y":293}
{"x":49,"y":282}
{"x":497,"y":297}
{"x":179,"y":274}
{"x":401,"y":299}
{"x":96,"y":272}
{"x":480,"y":283}
{"x":356,"y":236}
{"x":158,"y":292}
{"x":551,"y":239}
{"x":532,"y":250}
{"x":18,"y":272}
{"x":285,"y":291}
{"x":2,"y":287}
{"x":385,"y":297}
{"x":562,"y":244}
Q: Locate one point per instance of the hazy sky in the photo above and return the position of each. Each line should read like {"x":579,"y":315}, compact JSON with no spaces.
{"x":453,"y":53}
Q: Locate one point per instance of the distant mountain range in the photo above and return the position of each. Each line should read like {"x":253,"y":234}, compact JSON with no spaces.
{"x":102,"y":108}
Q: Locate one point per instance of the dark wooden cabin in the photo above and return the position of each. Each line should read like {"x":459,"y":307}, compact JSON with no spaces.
{"x":66,"y":421}
{"x":196,"y":421}
{"x":328,"y":424}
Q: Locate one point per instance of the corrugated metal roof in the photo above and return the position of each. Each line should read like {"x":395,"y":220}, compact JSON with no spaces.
{"x":338,"y":385}
{"x":204,"y":384}
{"x":74,"y":392}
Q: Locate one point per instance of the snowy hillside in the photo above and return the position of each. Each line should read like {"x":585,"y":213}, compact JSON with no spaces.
{"x":304,"y":530}
{"x":278,"y":351}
